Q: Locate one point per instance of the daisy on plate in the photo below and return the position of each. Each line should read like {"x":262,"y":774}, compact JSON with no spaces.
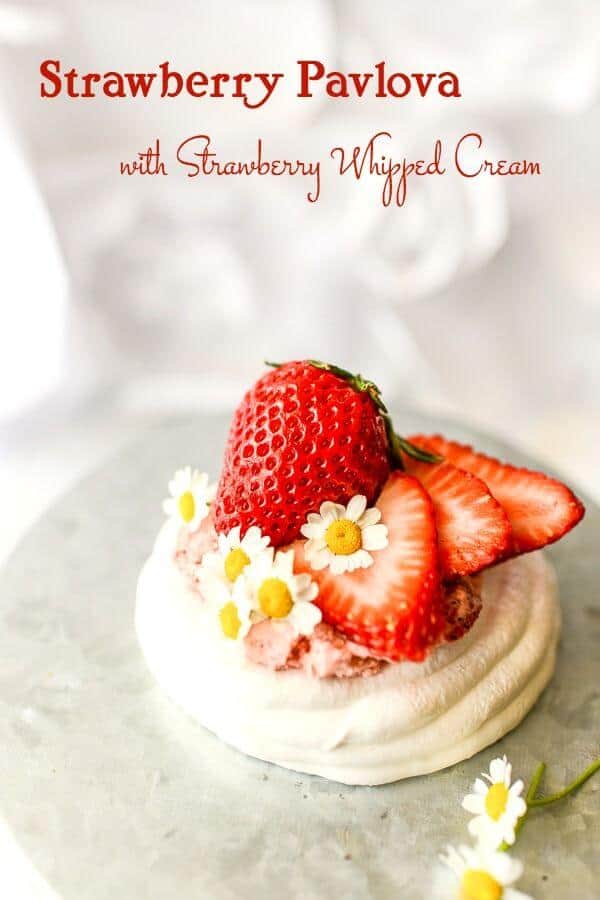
{"x":268,"y":588}
{"x":190,"y":497}
{"x":484,"y":874}
{"x":220,"y":569}
{"x":343,"y":537}
{"x":497,"y":805}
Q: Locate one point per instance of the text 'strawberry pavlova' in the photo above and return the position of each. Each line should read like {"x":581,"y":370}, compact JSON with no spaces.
{"x":335,"y":603}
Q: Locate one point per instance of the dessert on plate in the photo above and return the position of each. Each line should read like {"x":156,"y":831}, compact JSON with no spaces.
{"x":349,"y":602}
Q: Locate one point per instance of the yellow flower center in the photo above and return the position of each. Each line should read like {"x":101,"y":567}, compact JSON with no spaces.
{"x":274,"y":598}
{"x":496,"y":800}
{"x":479,"y":885}
{"x":230,"y":621}
{"x":235,"y":561}
{"x":187,"y":506}
{"x":343,"y":537}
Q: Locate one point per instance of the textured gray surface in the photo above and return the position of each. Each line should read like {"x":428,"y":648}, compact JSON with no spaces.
{"x":113,"y":792}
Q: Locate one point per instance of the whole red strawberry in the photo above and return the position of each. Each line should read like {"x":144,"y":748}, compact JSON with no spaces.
{"x":305,"y":433}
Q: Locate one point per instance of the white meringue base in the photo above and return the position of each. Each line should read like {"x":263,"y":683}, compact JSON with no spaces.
{"x":411,"y":719}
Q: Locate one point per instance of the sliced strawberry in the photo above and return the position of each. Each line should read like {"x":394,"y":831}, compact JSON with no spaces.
{"x":473,"y":529}
{"x":394,"y":606}
{"x":462,"y":605}
{"x":540,"y":509}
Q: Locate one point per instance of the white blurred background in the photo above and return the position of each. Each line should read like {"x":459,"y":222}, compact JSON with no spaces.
{"x":125,"y":299}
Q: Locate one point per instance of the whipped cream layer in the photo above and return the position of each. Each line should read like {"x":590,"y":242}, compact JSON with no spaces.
{"x":410,"y":719}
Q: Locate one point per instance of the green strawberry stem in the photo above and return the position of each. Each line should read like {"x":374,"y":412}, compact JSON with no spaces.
{"x":535,"y":783}
{"x":398,"y":445}
{"x":552,"y":798}
{"x":532,"y":802}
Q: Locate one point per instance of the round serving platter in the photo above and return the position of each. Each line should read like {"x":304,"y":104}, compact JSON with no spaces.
{"x":112,"y":791}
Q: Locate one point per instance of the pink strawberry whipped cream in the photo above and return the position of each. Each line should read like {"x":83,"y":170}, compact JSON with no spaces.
{"x":326,"y":653}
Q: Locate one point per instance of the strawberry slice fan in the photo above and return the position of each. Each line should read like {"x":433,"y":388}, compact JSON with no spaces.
{"x":309,"y":433}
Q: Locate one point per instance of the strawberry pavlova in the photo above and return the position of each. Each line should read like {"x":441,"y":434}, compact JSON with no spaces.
{"x":336,"y":604}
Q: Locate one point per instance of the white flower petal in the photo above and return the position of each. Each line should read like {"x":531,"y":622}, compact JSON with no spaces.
{"x":254,"y":541}
{"x":311,"y":531}
{"x":320,"y":559}
{"x":375,"y":537}
{"x":332,"y":511}
{"x":352,"y":562}
{"x":284,"y":561}
{"x":233,"y":538}
{"x":199,"y":516}
{"x":180,"y":482}
{"x":516,"y":807}
{"x":505,"y":868}
{"x":306,"y":588}
{"x":302,"y":581}
{"x":245,"y":626}
{"x":369,"y":517}
{"x":264,"y":561}
{"x":199,"y":480}
{"x":169,"y":507}
{"x":356,"y":507}
{"x":215,"y":592}
{"x":481,"y":787}
{"x":307,"y":593}
{"x":359,"y":560}
{"x":241,"y":592}
{"x":305,"y":617}
{"x":244,"y":607}
{"x":474,"y":803}
{"x":498,"y":770}
{"x":313,"y":547}
{"x":471,"y":855}
{"x":489,"y":833}
{"x":338,"y":564}
{"x":479,"y":826}
{"x":453,"y":860}
{"x":516,"y":788}
{"x":212,"y":562}
{"x":508,"y":834}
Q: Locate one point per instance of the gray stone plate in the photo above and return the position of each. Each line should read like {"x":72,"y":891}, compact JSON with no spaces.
{"x":113,"y":793}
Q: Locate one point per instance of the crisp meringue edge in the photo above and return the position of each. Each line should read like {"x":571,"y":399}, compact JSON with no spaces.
{"x":411,"y":719}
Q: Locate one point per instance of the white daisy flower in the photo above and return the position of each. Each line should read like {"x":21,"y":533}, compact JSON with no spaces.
{"x":269,"y":589}
{"x":220,"y":569}
{"x":497,"y":805}
{"x":484,"y":874}
{"x":235,"y":619}
{"x":342,"y":537}
{"x":191,"y":495}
